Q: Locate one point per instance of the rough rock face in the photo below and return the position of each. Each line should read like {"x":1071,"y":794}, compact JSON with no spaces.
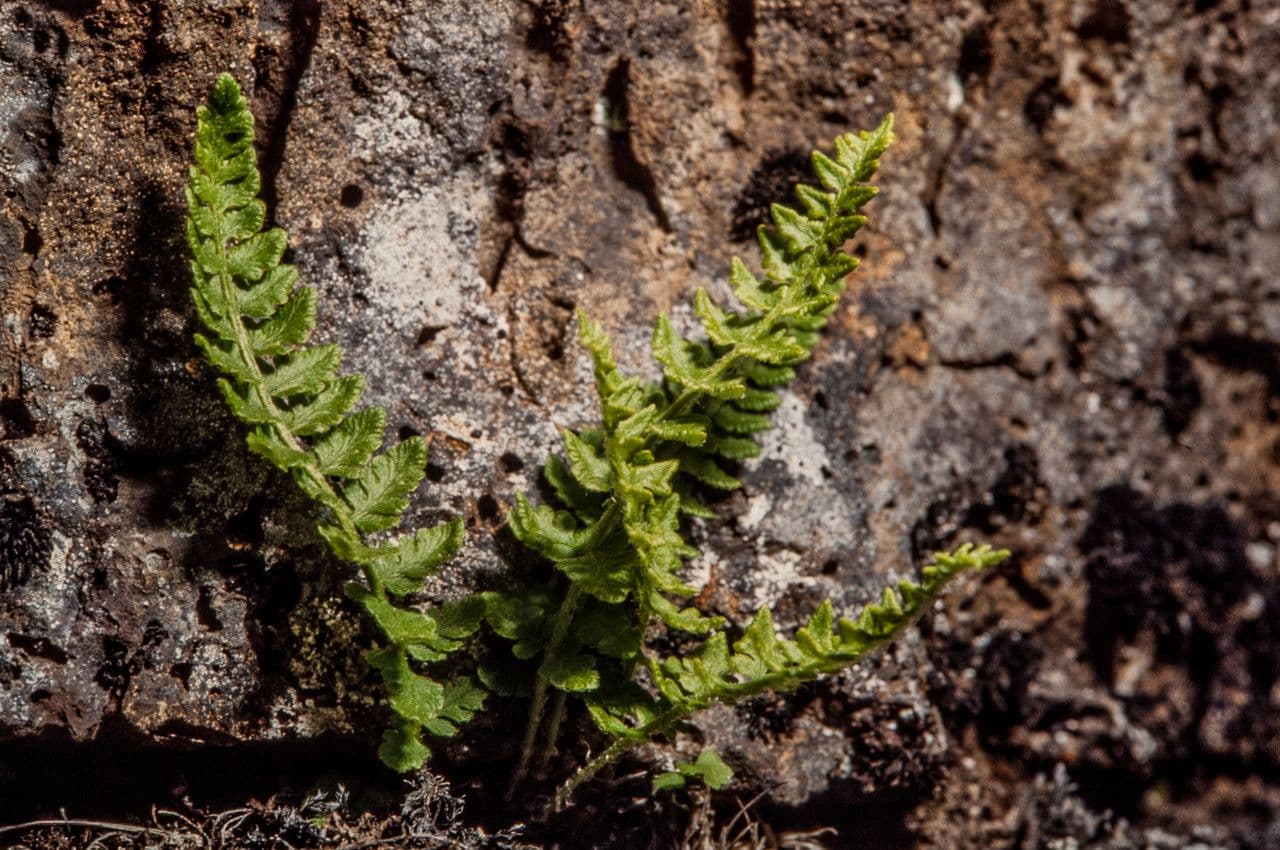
{"x":1065,"y":339}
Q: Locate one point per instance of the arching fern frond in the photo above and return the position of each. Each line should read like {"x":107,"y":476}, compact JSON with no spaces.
{"x":762,"y":661}
{"x":299,"y":414}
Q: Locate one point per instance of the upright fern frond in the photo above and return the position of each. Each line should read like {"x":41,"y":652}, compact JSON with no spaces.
{"x":299,"y":414}
{"x":657,"y":442}
{"x":761,"y":661}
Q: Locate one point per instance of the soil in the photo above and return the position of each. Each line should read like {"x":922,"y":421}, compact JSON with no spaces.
{"x":1064,"y":339}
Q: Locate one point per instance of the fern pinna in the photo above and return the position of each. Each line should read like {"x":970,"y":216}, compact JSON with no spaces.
{"x":623,"y":487}
{"x":298,"y":412}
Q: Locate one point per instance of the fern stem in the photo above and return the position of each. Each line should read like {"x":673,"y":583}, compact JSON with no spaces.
{"x":588,"y":771}
{"x":558,"y":706}
{"x":560,"y":630}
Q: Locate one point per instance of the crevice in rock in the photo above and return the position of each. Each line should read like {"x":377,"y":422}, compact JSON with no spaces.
{"x":15,"y":418}
{"x":1019,"y":496}
{"x":740,"y":17}
{"x":1180,"y":395}
{"x":75,"y":8}
{"x":37,"y":647}
{"x":1109,"y":22}
{"x":521,"y":378}
{"x":771,"y":181}
{"x":153,"y":57}
{"x":494,"y":275}
{"x":933,"y":191}
{"x":1043,"y":101}
{"x":1241,"y":353}
{"x":547,"y":29}
{"x":627,"y":167}
{"x":1007,"y":360}
{"x":976,"y":54}
{"x":303,"y":24}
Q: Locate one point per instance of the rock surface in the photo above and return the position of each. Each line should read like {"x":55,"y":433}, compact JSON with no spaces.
{"x":1064,"y":339}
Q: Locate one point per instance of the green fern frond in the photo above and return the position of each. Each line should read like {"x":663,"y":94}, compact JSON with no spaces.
{"x":624,"y":487}
{"x":658,"y":440}
{"x":760,"y":660}
{"x":299,"y":413}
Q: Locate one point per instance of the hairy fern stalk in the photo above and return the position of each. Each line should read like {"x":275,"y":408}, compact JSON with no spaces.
{"x":622,"y":488}
{"x":299,"y":413}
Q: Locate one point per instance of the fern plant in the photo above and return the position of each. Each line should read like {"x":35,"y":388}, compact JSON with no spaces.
{"x":615,"y":535}
{"x":298,"y":411}
{"x":622,"y":488}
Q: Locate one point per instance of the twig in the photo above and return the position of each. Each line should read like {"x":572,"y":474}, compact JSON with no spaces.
{"x":376,"y":842}
{"x":82,"y":824}
{"x":108,"y":826}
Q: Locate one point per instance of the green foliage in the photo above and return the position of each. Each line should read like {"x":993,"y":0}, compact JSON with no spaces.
{"x":299,"y":414}
{"x":708,"y":767}
{"x":622,"y":488}
{"x":760,"y":660}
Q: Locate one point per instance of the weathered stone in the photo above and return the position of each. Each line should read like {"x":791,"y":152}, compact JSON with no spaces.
{"x":1065,"y":339}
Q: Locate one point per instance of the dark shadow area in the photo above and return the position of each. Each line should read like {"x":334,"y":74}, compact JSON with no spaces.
{"x":181,"y":438}
{"x":627,"y":167}
{"x":772,"y":181}
{"x":1173,"y":584}
{"x":123,"y":774}
{"x":278,"y":74}
{"x":861,"y":821}
{"x":1149,"y":567}
{"x":740,"y":15}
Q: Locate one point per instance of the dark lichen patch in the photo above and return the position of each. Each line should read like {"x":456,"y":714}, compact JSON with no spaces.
{"x":100,"y":466}
{"x":26,"y":539}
